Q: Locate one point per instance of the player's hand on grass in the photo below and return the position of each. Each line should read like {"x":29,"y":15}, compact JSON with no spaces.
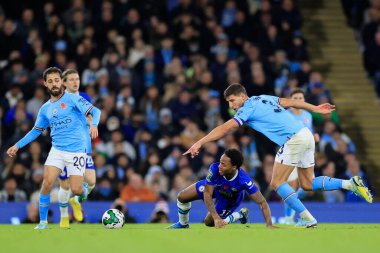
{"x":12,"y":151}
{"x":194,"y":150}
{"x":272,"y":227}
{"x":219,"y":223}
{"x":93,"y":132}
{"x":325,"y":108}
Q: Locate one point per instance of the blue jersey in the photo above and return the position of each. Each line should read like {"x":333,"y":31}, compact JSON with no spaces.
{"x":228,"y":193}
{"x":265,"y":114}
{"x":304,"y":118}
{"x":65,"y":118}
{"x":233,"y":189}
{"x":86,"y":96}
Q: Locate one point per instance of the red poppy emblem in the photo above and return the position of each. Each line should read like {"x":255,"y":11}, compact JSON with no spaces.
{"x":225,"y":187}
{"x":306,"y":120}
{"x":63,"y":105}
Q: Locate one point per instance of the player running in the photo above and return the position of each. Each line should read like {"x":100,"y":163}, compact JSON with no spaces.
{"x":267,"y":115}
{"x":226,"y":182}
{"x":63,"y":114}
{"x":72,"y":83}
{"x":306,"y":119}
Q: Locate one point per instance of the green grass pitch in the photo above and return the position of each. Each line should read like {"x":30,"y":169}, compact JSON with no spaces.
{"x":146,"y":238}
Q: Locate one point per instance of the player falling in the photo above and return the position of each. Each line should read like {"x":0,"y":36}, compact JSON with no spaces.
{"x":227,"y":183}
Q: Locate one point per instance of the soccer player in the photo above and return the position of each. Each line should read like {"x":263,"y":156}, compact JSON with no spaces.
{"x":63,"y":113}
{"x":72,"y":82}
{"x":305,"y":118}
{"x":226,"y":182}
{"x":267,"y":115}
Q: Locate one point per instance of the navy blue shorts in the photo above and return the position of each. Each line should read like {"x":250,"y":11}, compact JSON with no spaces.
{"x":223,"y":206}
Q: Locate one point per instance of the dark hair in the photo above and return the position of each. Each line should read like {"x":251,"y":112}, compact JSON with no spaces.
{"x":234,"y":89}
{"x":68,"y":72}
{"x":51,"y":70}
{"x":236,"y":157}
{"x":296,"y":91}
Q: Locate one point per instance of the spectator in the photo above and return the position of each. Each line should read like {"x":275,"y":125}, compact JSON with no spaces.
{"x":11,"y":192}
{"x":137,"y":191}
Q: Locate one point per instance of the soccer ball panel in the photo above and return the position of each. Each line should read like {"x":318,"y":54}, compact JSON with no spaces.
{"x":113,"y":218}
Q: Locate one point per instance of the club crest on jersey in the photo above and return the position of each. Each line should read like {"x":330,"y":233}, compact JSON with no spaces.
{"x":209,"y":175}
{"x":63,"y":105}
{"x":55,"y":111}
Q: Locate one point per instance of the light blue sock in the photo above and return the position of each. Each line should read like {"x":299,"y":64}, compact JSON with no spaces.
{"x":288,"y":210}
{"x":324,"y":183}
{"x":44,"y":207}
{"x":287,"y":193}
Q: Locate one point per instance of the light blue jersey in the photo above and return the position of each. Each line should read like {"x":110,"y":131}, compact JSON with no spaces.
{"x":85,"y":126}
{"x":304,"y":118}
{"x":65,"y":119}
{"x":265,"y":114}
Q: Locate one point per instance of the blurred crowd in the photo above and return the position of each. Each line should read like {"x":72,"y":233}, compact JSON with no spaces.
{"x":364,"y":17}
{"x":158,"y":69}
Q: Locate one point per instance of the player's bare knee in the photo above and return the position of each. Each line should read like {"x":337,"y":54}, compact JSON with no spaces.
{"x":274,"y":184}
{"x":91,"y":182}
{"x":77,"y":190}
{"x":47,"y":185}
{"x":306,"y":186}
{"x":181,"y":197}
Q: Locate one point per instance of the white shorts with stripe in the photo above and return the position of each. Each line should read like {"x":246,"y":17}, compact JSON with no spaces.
{"x":298,"y":151}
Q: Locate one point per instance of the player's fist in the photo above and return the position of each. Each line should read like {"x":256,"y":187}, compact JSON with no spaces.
{"x":219,"y":223}
{"x":12,"y":151}
{"x":93,"y":132}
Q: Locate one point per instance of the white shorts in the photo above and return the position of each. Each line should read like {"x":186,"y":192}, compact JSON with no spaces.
{"x":298,"y":151}
{"x":75,"y":163}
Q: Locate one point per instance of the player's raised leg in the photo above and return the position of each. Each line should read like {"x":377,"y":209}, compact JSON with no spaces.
{"x":90,"y":181}
{"x":50,"y":175}
{"x":184,"y":199}
{"x":90,"y":174}
{"x":324,"y":183}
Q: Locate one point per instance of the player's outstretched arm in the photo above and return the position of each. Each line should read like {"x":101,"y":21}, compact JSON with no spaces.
{"x":29,"y":137}
{"x":207,"y":196}
{"x":215,"y":134}
{"x":322,"y":109}
{"x":261,"y":201}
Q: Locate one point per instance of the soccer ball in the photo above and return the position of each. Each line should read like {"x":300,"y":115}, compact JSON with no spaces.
{"x":113,"y":218}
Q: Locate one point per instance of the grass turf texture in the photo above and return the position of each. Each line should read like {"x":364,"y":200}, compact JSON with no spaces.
{"x":154,"y":238}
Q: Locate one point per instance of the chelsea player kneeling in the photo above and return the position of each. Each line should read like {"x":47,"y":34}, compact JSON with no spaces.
{"x":227,"y":183}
